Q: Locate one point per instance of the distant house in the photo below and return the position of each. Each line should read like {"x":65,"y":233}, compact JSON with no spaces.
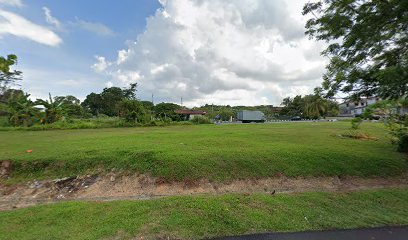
{"x":356,"y":108}
{"x":190,"y":114}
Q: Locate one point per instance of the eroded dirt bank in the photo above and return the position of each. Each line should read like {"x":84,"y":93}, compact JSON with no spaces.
{"x":114,"y":187}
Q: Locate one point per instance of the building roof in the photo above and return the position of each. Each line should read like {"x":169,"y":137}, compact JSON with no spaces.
{"x":190,"y":112}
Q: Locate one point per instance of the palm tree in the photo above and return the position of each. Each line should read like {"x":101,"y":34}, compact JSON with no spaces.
{"x":315,"y":106}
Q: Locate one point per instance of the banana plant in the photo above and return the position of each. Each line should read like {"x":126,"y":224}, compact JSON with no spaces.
{"x":53,"y":108}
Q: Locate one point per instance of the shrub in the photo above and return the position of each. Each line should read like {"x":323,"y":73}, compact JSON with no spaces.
{"x":356,"y":122}
{"x":154,"y":123}
{"x":399,"y":133}
{"x":201,"y":120}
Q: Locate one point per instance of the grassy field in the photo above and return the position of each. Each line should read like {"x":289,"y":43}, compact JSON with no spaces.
{"x":216,"y":152}
{"x":206,"y":216}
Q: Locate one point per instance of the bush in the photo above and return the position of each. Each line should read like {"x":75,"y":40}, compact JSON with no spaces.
{"x":399,"y":135}
{"x":356,"y":122}
{"x":403,"y":143}
{"x":182,"y":123}
{"x":4,"y":121}
{"x":201,"y":120}
{"x":154,"y":123}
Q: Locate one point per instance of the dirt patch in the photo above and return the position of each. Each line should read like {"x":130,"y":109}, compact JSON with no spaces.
{"x":5,"y":168}
{"x":35,"y":192}
{"x":358,"y":136}
{"x":139,"y":186}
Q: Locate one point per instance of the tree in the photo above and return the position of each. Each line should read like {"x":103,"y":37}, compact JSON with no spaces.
{"x":314,"y":107}
{"x":292,"y":107}
{"x":166,"y":111}
{"x":53,"y":108}
{"x":70,"y":105}
{"x":333,"y":109}
{"x":7,"y":76}
{"x":148,"y":105}
{"x":107,"y":101}
{"x":131,"y":110}
{"x":225,"y":114}
{"x":110,"y":98}
{"x":20,"y":109}
{"x":93,"y":103}
{"x":367,"y":48}
{"x":130,"y":92}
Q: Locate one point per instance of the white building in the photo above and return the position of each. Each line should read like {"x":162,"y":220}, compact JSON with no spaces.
{"x":355,"y":108}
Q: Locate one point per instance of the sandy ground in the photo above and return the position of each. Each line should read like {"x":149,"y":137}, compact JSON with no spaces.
{"x":120,"y":187}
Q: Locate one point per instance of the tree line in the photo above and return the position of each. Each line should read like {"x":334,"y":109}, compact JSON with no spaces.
{"x":17,"y":106}
{"x":123,"y":103}
{"x":312,"y":106}
{"x":20,"y":110}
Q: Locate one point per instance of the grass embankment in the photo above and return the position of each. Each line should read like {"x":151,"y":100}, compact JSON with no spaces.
{"x":207,"y":216}
{"x":216,"y":152}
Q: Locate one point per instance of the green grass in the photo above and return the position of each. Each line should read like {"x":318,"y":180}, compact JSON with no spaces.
{"x":216,"y":152}
{"x":88,"y":123}
{"x":207,"y":216}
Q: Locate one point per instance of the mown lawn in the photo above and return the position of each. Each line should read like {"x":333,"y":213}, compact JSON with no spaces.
{"x":207,"y":216}
{"x":216,"y":152}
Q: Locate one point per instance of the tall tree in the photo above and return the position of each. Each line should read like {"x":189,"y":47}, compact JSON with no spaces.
{"x":367,"y":48}
{"x":70,"y":105}
{"x":8,"y":76}
{"x":292,"y":107}
{"x":314,"y":106}
{"x":107,"y":101}
{"x":110,"y":98}
{"x":130,"y":92}
{"x":93,"y":103}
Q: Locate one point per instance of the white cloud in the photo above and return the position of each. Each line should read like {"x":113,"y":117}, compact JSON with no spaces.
{"x":101,"y":65}
{"x":13,"y":24}
{"x":109,"y":84}
{"x":15,"y":3}
{"x":95,"y":27}
{"x":225,"y":52}
{"x":50,"y":19}
{"x":122,"y":56}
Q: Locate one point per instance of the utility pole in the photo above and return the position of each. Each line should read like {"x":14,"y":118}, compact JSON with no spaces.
{"x":181,"y":101}
{"x":152,"y":98}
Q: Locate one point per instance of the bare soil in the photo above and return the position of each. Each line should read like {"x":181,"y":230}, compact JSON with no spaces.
{"x":137,"y":187}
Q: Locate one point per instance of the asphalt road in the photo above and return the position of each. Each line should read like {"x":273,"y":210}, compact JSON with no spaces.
{"x":383,"y":233}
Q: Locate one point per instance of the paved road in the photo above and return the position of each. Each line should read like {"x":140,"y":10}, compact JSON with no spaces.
{"x":384,"y":233}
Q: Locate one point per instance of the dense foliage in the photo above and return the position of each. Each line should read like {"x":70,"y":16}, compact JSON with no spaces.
{"x":396,"y":120}
{"x":309,"y":107}
{"x":8,"y":76}
{"x":368,"y":47}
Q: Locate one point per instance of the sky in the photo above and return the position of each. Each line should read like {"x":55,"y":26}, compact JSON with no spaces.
{"x":241,"y":52}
